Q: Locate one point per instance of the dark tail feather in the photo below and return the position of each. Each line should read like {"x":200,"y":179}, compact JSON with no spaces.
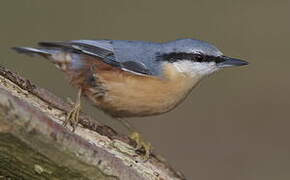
{"x":35,"y":51}
{"x":66,"y":46}
{"x":59,"y":44}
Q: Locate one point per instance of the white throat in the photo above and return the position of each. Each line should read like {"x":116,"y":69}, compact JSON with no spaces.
{"x":195,"y":68}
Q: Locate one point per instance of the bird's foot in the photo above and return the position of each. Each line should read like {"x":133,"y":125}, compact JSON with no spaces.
{"x":73,"y":116}
{"x":142,"y":145}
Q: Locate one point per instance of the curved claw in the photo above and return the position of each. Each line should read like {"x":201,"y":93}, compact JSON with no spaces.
{"x":141,"y":143}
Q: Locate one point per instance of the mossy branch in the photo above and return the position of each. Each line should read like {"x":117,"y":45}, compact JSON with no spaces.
{"x":35,"y":145}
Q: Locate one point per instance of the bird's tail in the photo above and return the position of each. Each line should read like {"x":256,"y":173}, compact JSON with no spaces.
{"x":47,"y":53}
{"x":63,"y":60}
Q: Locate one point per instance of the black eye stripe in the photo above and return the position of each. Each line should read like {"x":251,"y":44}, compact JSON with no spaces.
{"x":172,"y":57}
{"x":196,"y":57}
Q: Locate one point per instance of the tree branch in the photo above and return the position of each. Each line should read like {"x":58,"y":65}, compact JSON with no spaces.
{"x":35,"y":145}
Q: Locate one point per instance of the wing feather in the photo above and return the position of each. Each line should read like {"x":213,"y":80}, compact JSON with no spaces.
{"x":102,"y":49}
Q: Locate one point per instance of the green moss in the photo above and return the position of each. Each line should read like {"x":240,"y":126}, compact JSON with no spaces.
{"x":18,"y":161}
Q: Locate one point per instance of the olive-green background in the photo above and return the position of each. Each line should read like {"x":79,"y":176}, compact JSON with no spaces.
{"x":234,"y":126}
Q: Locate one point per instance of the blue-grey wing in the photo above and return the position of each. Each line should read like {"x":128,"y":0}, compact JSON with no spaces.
{"x":121,"y":54}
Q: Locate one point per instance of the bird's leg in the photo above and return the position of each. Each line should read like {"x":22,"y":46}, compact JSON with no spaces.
{"x":73,"y":115}
{"x":137,"y":137}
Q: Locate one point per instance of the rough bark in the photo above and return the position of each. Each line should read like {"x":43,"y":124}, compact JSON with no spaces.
{"x":35,"y":145}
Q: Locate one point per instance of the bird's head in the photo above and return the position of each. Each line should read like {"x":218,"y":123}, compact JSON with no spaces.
{"x":196,"y":58}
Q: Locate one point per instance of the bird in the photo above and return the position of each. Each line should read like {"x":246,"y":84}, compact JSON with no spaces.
{"x":125,"y":78}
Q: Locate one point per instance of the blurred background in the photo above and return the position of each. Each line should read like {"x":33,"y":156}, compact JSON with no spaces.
{"x":234,"y":126}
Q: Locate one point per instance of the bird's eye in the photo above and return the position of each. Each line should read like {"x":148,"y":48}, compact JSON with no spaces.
{"x":199,"y":57}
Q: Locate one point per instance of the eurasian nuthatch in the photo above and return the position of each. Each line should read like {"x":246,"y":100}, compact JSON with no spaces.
{"x":134,"y":78}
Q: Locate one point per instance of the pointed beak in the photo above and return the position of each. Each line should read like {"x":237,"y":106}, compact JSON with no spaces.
{"x":229,"y":62}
